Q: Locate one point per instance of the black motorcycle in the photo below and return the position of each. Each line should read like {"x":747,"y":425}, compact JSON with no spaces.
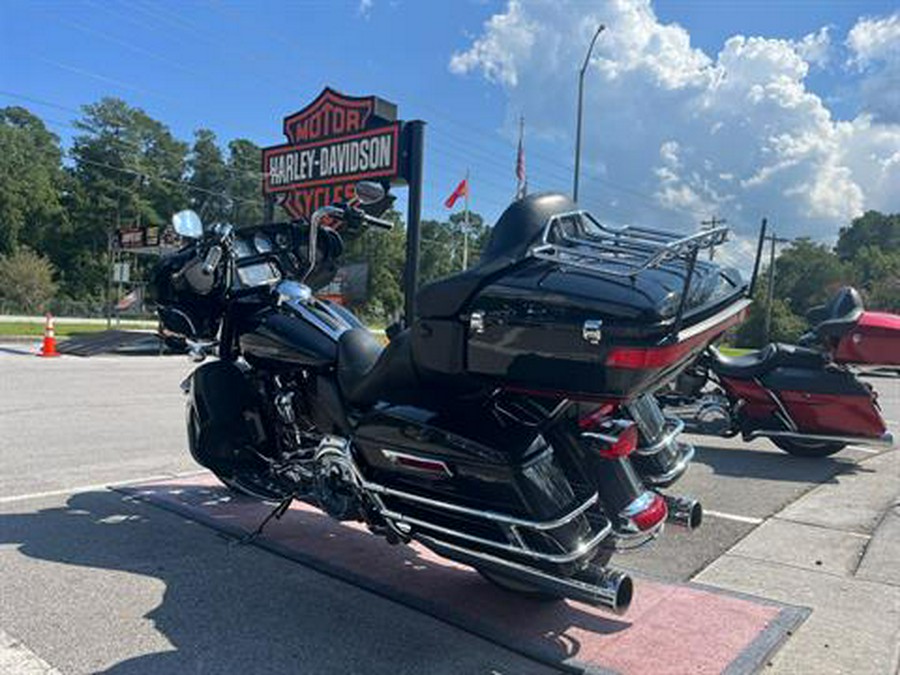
{"x":507,"y":427}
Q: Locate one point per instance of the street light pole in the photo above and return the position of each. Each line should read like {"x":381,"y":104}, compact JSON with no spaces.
{"x":587,"y":60}
{"x":770,"y":291}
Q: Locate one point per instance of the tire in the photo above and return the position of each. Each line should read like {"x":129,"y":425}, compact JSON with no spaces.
{"x":799,"y":448}
{"x":521,"y":588}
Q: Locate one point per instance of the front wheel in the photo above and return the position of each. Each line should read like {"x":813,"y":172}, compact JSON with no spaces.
{"x":809,"y":448}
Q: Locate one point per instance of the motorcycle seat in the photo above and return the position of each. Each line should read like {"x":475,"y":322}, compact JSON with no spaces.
{"x":841,"y":313}
{"x":762,"y":361}
{"x":367,"y":372}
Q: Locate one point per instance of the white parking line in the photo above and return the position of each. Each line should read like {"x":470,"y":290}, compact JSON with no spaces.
{"x":96,"y":486}
{"x":860,"y":448}
{"x":731,"y":516}
{"x":17,"y":659}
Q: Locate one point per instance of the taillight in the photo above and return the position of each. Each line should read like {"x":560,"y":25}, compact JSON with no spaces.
{"x":596,"y":418}
{"x":612,"y":439}
{"x":647,"y":511}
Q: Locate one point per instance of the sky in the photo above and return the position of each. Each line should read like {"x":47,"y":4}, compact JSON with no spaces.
{"x":786,"y":109}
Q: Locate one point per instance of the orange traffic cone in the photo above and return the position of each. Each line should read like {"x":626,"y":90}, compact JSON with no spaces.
{"x":49,"y":347}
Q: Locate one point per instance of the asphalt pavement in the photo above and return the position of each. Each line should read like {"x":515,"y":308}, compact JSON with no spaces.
{"x":93,"y":582}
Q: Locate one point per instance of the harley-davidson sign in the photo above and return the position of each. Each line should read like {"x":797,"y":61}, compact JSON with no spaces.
{"x":334,"y":142}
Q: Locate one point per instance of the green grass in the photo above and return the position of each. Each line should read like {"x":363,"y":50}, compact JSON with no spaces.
{"x":36,"y":329}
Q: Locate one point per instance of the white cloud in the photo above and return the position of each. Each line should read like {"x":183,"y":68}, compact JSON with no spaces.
{"x":364,"y":8}
{"x":815,"y":48}
{"x":737,"y":133}
{"x":874,"y":44}
{"x":875,"y":39}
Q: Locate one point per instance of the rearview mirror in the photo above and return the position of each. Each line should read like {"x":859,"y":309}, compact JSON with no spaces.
{"x":368,"y":192}
{"x":188,"y":224}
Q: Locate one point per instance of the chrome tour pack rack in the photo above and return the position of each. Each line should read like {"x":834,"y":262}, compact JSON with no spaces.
{"x":579,"y":240}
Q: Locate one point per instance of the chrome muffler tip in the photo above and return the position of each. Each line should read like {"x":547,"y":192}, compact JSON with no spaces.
{"x":684,"y":512}
{"x":610,"y":588}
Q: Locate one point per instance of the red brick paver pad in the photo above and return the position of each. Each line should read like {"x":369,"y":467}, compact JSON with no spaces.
{"x":669,"y":628}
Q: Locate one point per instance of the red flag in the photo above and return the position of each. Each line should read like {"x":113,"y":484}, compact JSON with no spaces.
{"x":461,"y":190}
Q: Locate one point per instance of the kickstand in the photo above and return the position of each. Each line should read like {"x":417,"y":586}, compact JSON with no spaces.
{"x":276,"y":513}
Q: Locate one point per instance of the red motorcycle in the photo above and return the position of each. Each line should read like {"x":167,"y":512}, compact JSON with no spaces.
{"x":808,"y":401}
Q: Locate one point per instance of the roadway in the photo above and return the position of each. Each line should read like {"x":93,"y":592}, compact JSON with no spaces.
{"x":94,"y":582}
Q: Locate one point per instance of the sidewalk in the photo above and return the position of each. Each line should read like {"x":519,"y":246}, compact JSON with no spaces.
{"x":835,"y":550}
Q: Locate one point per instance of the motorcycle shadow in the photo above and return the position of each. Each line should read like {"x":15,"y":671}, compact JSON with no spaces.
{"x":749,"y":462}
{"x":229,"y":608}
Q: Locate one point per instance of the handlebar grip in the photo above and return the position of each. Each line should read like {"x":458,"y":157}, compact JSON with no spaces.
{"x":378,"y":222}
{"x":213,"y":256}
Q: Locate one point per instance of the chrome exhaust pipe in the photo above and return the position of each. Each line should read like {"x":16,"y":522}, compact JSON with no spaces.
{"x":612,"y":588}
{"x":684,"y":512}
{"x":598,"y":586}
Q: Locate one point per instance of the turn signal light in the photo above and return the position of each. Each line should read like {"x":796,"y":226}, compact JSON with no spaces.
{"x":647,"y":511}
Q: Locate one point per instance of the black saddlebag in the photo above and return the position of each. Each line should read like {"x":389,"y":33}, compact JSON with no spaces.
{"x":476,"y":476}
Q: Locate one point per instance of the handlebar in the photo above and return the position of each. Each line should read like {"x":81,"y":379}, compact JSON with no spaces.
{"x":378,"y":222}
{"x":341,"y":212}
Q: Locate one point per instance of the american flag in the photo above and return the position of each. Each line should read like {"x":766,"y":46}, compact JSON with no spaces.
{"x":522,"y":188}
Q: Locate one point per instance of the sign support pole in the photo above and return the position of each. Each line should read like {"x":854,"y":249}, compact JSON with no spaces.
{"x":415,"y":145}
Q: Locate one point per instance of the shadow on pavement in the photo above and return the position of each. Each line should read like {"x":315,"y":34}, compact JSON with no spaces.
{"x":752,"y":463}
{"x":233,"y":608}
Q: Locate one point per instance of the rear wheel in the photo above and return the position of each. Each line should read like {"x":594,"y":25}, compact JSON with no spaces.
{"x":810,"y":448}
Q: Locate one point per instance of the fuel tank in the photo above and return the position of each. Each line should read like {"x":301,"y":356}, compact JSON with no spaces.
{"x":295,"y":333}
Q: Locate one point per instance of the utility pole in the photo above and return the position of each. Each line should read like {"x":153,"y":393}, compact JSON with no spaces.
{"x":770,"y":291}
{"x":712,"y":224}
{"x":587,"y":60}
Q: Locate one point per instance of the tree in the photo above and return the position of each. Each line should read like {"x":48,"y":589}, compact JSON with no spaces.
{"x":208,"y":179}
{"x":806,"y":274}
{"x":130,"y":171}
{"x":26,"y":280}
{"x":385,"y":253}
{"x":245,"y":181}
{"x":786,"y":326}
{"x":31,"y":181}
{"x":870,"y":229}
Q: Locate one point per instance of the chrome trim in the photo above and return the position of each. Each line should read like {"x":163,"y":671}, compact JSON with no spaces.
{"x":712,"y":321}
{"x":677,"y":469}
{"x":630,"y":247}
{"x":476,"y":322}
{"x":885,"y":441}
{"x":592,"y":331}
{"x":785,"y":415}
{"x":308,"y":312}
{"x":393,"y":457}
{"x":684,"y":512}
{"x":507,"y":523}
{"x":488,"y":515}
{"x":605,"y":592}
{"x":558,"y":558}
{"x":667,"y":437}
